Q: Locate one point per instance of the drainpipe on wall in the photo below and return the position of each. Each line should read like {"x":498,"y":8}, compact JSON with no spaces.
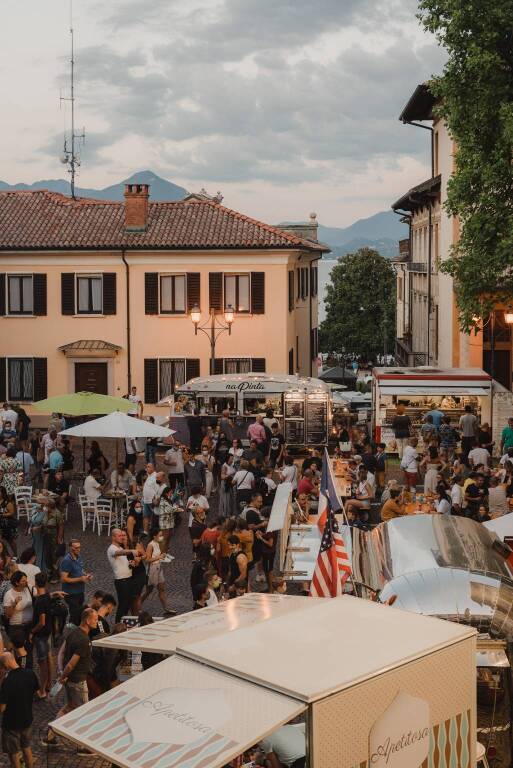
{"x":430,"y":237}
{"x":127,"y":309}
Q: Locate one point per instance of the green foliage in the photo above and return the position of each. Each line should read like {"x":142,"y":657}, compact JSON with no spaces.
{"x":360,"y":305}
{"x":475,"y":94}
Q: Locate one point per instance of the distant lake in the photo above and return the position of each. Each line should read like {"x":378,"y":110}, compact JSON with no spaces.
{"x":325,"y":267}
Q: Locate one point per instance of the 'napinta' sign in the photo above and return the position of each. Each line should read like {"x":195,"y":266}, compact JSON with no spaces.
{"x":246,"y":386}
{"x":400,"y":738}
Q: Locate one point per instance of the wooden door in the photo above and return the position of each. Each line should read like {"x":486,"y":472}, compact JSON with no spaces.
{"x":91,"y":377}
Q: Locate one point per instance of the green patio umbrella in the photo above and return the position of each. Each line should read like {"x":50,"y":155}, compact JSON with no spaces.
{"x":83,"y":404}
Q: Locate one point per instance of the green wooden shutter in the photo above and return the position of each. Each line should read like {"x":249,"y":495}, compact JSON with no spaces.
{"x":151,"y":380}
{"x":215,"y":290}
{"x":109,"y":293}
{"x":192,"y":368}
{"x":193,"y":290}
{"x":39,"y":294}
{"x":40,"y":378}
{"x":291,"y":290}
{"x":151,"y":295}
{"x":68,"y":293}
{"x":3,"y":379}
{"x":219,"y":365}
{"x":258,"y":364}
{"x":258,"y":293}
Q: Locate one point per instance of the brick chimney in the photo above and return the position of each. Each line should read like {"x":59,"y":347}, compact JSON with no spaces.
{"x":136,"y":207}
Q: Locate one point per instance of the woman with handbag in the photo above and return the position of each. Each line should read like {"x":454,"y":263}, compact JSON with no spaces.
{"x":37,"y":529}
{"x":226,"y":494}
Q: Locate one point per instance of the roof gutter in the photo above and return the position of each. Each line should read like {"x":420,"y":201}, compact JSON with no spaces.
{"x":127,"y":316}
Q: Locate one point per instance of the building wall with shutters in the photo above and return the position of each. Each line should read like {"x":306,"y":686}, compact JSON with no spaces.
{"x":266,"y":333}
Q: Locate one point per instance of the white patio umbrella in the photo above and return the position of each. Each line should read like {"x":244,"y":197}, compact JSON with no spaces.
{"x":118,"y":425}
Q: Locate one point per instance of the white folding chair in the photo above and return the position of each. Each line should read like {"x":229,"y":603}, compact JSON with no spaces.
{"x":23,"y":497}
{"x":104,"y":515}
{"x":87,"y":510}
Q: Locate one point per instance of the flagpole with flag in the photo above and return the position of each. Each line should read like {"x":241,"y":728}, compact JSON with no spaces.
{"x":333,"y":567}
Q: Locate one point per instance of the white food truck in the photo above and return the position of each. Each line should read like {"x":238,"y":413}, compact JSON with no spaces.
{"x":302,"y":405}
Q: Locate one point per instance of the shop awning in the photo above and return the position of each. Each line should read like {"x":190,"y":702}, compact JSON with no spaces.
{"x":178,"y":714}
{"x":164,"y":636}
{"x":440,"y":389}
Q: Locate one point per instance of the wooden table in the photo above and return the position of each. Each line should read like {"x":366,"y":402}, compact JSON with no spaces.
{"x":42,"y":498}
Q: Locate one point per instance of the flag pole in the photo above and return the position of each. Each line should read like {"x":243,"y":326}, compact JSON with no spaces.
{"x":327,"y":459}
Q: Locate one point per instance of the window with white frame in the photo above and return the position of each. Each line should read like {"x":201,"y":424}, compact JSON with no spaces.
{"x":21,"y":294}
{"x":237,"y":364}
{"x":171,"y":375}
{"x":173,"y":299}
{"x":237,"y":292}
{"x":89,"y":295}
{"x":20,"y":378}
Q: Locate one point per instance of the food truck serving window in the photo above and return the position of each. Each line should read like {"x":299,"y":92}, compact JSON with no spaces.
{"x":258,"y":402}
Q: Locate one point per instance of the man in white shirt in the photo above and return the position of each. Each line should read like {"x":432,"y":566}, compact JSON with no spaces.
{"x":479,"y":455}
{"x":457,"y":495}
{"x":92,"y":488}
{"x":148,"y":494}
{"x":409,"y":462}
{"x":48,"y":442}
{"x":196,"y":500}
{"x":118,"y":561}
{"x":8,"y":414}
{"x":508,"y":456}
{"x":174,"y":460}
{"x":134,"y":398}
{"x":122,"y":479}
{"x":286,"y":746}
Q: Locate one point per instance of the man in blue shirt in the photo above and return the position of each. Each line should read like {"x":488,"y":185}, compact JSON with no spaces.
{"x":436,"y":415}
{"x":73,"y":576}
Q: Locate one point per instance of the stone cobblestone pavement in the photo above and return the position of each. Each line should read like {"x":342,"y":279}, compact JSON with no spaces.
{"x":94,"y":550}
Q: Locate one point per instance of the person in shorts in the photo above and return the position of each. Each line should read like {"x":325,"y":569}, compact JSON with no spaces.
{"x":16,"y":697}
{"x":77,"y":665}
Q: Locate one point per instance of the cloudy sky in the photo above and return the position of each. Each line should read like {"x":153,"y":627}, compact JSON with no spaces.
{"x":286,"y":106}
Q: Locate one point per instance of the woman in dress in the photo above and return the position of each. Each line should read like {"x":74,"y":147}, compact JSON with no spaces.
{"x":134,"y":521}
{"x":236,"y":451}
{"x":166,"y":515}
{"x":443,"y":502}
{"x":156,"y":578}
{"x":8,"y":522}
{"x":96,"y":459}
{"x":433,"y":465}
{"x":137,"y":565}
{"x":10,"y":468}
{"x":37,"y":527}
{"x":226,"y":495}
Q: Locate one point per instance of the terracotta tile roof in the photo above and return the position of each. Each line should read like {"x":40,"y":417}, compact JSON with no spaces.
{"x":41,"y":220}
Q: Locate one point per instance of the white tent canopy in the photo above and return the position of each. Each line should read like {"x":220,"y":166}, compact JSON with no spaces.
{"x":118,"y":425}
{"x":502,"y":526}
{"x":164,"y":636}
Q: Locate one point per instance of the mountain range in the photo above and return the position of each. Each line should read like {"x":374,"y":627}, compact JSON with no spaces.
{"x":380,"y":231}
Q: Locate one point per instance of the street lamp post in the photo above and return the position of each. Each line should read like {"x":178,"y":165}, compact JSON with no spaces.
{"x":212,"y":328}
{"x":508,"y":317}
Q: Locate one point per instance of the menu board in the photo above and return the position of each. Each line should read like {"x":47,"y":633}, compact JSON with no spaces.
{"x":295,"y":408}
{"x":294,"y":431}
{"x":317,"y":419}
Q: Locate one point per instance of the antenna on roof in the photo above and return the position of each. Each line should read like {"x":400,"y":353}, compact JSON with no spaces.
{"x":71,"y":155}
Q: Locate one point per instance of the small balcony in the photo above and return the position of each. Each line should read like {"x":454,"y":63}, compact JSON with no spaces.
{"x":417,"y":266}
{"x":404,"y":354}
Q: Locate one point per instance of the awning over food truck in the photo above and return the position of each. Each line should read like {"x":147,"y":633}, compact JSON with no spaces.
{"x":425,"y":380}
{"x":227,"y":616}
{"x":178,"y":714}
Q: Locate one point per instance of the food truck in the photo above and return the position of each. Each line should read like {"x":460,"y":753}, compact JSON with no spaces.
{"x":302,"y":405}
{"x":422,"y":389}
{"x":369,"y":687}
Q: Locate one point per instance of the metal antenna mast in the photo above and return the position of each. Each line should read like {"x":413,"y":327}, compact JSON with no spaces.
{"x":71,"y":156}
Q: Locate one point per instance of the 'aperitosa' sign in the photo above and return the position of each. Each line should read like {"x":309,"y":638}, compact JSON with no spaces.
{"x":400,"y":738}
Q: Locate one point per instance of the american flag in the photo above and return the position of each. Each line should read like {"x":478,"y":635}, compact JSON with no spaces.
{"x":333,"y":567}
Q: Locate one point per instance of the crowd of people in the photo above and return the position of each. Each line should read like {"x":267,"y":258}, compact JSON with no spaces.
{"x":222,"y":490}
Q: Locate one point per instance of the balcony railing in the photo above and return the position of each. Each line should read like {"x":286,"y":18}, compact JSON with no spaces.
{"x":404,"y":354}
{"x":417,"y":266}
